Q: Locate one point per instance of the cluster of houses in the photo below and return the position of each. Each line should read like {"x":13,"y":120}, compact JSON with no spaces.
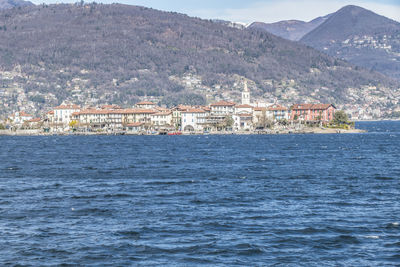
{"x":146,"y":117}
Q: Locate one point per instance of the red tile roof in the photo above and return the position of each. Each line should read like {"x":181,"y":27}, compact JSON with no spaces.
{"x":244,"y":106}
{"x":311,"y":106}
{"x":183,"y":107}
{"x":23,"y":114}
{"x":277,"y":107}
{"x":145,"y":103}
{"x":223,"y":103}
{"x":110,"y":107}
{"x":68,"y":107}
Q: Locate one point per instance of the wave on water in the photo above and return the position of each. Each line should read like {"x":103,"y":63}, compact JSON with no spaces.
{"x":284,"y":200}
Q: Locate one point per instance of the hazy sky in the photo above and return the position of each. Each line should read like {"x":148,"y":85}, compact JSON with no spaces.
{"x":257,"y":10}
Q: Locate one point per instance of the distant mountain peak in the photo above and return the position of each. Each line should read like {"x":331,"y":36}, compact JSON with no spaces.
{"x":360,"y":36}
{"x":354,"y":11}
{"x":352,"y":33}
{"x":290,"y":29}
{"x":348,"y":21}
{"x":353,"y":8}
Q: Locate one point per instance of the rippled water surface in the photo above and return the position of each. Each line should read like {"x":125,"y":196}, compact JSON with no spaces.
{"x":306,"y":200}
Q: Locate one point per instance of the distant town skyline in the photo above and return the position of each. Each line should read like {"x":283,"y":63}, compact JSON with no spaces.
{"x":257,"y":10}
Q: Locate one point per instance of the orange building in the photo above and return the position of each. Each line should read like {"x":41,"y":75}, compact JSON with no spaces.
{"x":313,"y":112}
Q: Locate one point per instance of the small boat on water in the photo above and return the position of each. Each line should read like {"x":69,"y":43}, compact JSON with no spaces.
{"x":175,"y":133}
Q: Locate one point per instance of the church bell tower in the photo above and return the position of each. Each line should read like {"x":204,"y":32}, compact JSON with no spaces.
{"x":245,"y":95}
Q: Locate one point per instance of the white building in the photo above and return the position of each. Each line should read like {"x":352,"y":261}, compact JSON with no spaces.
{"x":162,"y":119}
{"x":20,"y":117}
{"x":243,"y":121}
{"x":99,"y":119}
{"x":193,"y":120}
{"x":117,"y":119}
{"x":63,"y":115}
{"x":223,"y":108}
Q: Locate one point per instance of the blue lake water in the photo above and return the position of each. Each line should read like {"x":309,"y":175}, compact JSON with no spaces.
{"x":308,"y":200}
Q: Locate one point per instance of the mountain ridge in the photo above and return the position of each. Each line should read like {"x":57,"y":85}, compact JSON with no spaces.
{"x":352,"y":33}
{"x":292,"y":30}
{"x":361,"y":37}
{"x":97,"y":53}
{"x":349,"y":20}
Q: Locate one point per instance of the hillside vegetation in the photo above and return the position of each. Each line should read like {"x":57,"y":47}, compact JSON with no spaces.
{"x":117,"y":53}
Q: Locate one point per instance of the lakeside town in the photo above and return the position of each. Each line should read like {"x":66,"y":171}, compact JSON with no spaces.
{"x":146,"y":117}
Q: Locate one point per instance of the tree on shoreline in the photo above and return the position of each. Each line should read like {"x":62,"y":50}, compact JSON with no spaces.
{"x":340,"y":119}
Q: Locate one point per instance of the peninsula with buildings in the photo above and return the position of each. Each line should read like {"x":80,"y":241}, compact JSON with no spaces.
{"x":146,"y":117}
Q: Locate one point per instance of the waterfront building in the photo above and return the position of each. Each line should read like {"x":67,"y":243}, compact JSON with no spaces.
{"x":277,"y":113}
{"x":62,"y":116}
{"x":33,"y":123}
{"x":220,"y":116}
{"x":135,"y":128}
{"x":243,"y":121}
{"x":138,"y":115}
{"x":162,"y":120}
{"x":177,"y":116}
{"x":112,"y":119}
{"x":312,"y":112}
{"x":95,"y":119}
{"x":193,"y":119}
{"x":18,"y":118}
{"x":223,"y":108}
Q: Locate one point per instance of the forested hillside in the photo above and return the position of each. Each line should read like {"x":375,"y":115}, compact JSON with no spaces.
{"x":95,"y":53}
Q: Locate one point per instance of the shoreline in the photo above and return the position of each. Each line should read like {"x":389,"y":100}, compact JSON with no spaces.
{"x":268,"y":132}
